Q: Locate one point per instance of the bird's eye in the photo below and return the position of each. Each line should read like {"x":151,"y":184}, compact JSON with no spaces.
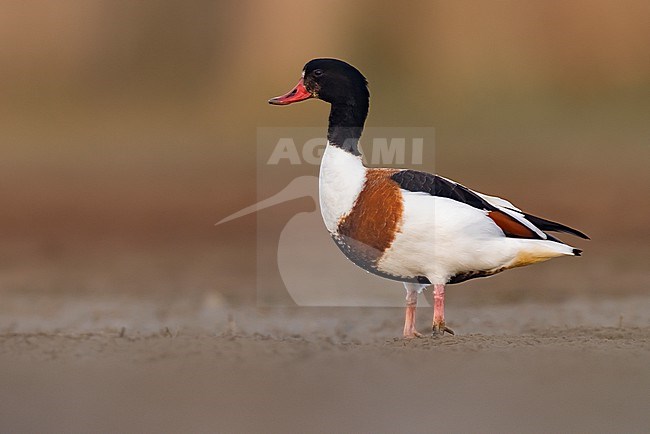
{"x":318,"y":72}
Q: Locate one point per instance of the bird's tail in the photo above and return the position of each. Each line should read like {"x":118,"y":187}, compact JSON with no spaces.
{"x":533,"y":251}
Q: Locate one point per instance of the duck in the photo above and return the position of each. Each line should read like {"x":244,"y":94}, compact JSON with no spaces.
{"x":418,"y":228}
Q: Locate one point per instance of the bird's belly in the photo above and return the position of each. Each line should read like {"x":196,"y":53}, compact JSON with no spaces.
{"x":367,"y":257}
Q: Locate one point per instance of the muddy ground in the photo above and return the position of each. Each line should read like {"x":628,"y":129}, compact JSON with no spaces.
{"x":107,"y":364}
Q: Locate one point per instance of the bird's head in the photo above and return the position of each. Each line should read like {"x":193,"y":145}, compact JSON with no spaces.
{"x":330,"y":80}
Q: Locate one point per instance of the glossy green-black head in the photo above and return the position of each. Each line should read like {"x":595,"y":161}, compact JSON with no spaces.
{"x":345,"y":88}
{"x":330,"y":80}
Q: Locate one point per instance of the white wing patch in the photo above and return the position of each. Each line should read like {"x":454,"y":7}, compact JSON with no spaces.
{"x":507,"y":208}
{"x":497,"y":201}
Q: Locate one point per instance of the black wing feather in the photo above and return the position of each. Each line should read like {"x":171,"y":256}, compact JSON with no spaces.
{"x":416,"y":181}
{"x":548,"y":225}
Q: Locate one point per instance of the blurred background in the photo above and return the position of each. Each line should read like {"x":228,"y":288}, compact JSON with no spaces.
{"x":127,"y":129}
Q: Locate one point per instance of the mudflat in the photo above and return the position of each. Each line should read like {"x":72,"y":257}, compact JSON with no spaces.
{"x":104,"y":365}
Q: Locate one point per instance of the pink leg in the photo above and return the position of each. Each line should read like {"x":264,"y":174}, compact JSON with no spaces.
{"x":411,"y":304}
{"x":439,"y":327}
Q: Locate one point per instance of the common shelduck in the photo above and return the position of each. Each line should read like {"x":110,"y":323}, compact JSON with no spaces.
{"x":414,"y":227}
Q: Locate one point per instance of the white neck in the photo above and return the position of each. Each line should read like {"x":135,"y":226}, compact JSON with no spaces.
{"x":342,"y":176}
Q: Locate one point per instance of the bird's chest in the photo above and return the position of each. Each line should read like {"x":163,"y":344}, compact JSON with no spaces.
{"x":362,"y":209}
{"x":341,"y":180}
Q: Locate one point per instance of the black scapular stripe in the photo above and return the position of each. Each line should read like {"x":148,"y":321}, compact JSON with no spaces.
{"x":416,"y":181}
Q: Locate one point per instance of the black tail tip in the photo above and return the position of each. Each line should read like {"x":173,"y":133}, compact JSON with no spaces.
{"x":577,"y":252}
